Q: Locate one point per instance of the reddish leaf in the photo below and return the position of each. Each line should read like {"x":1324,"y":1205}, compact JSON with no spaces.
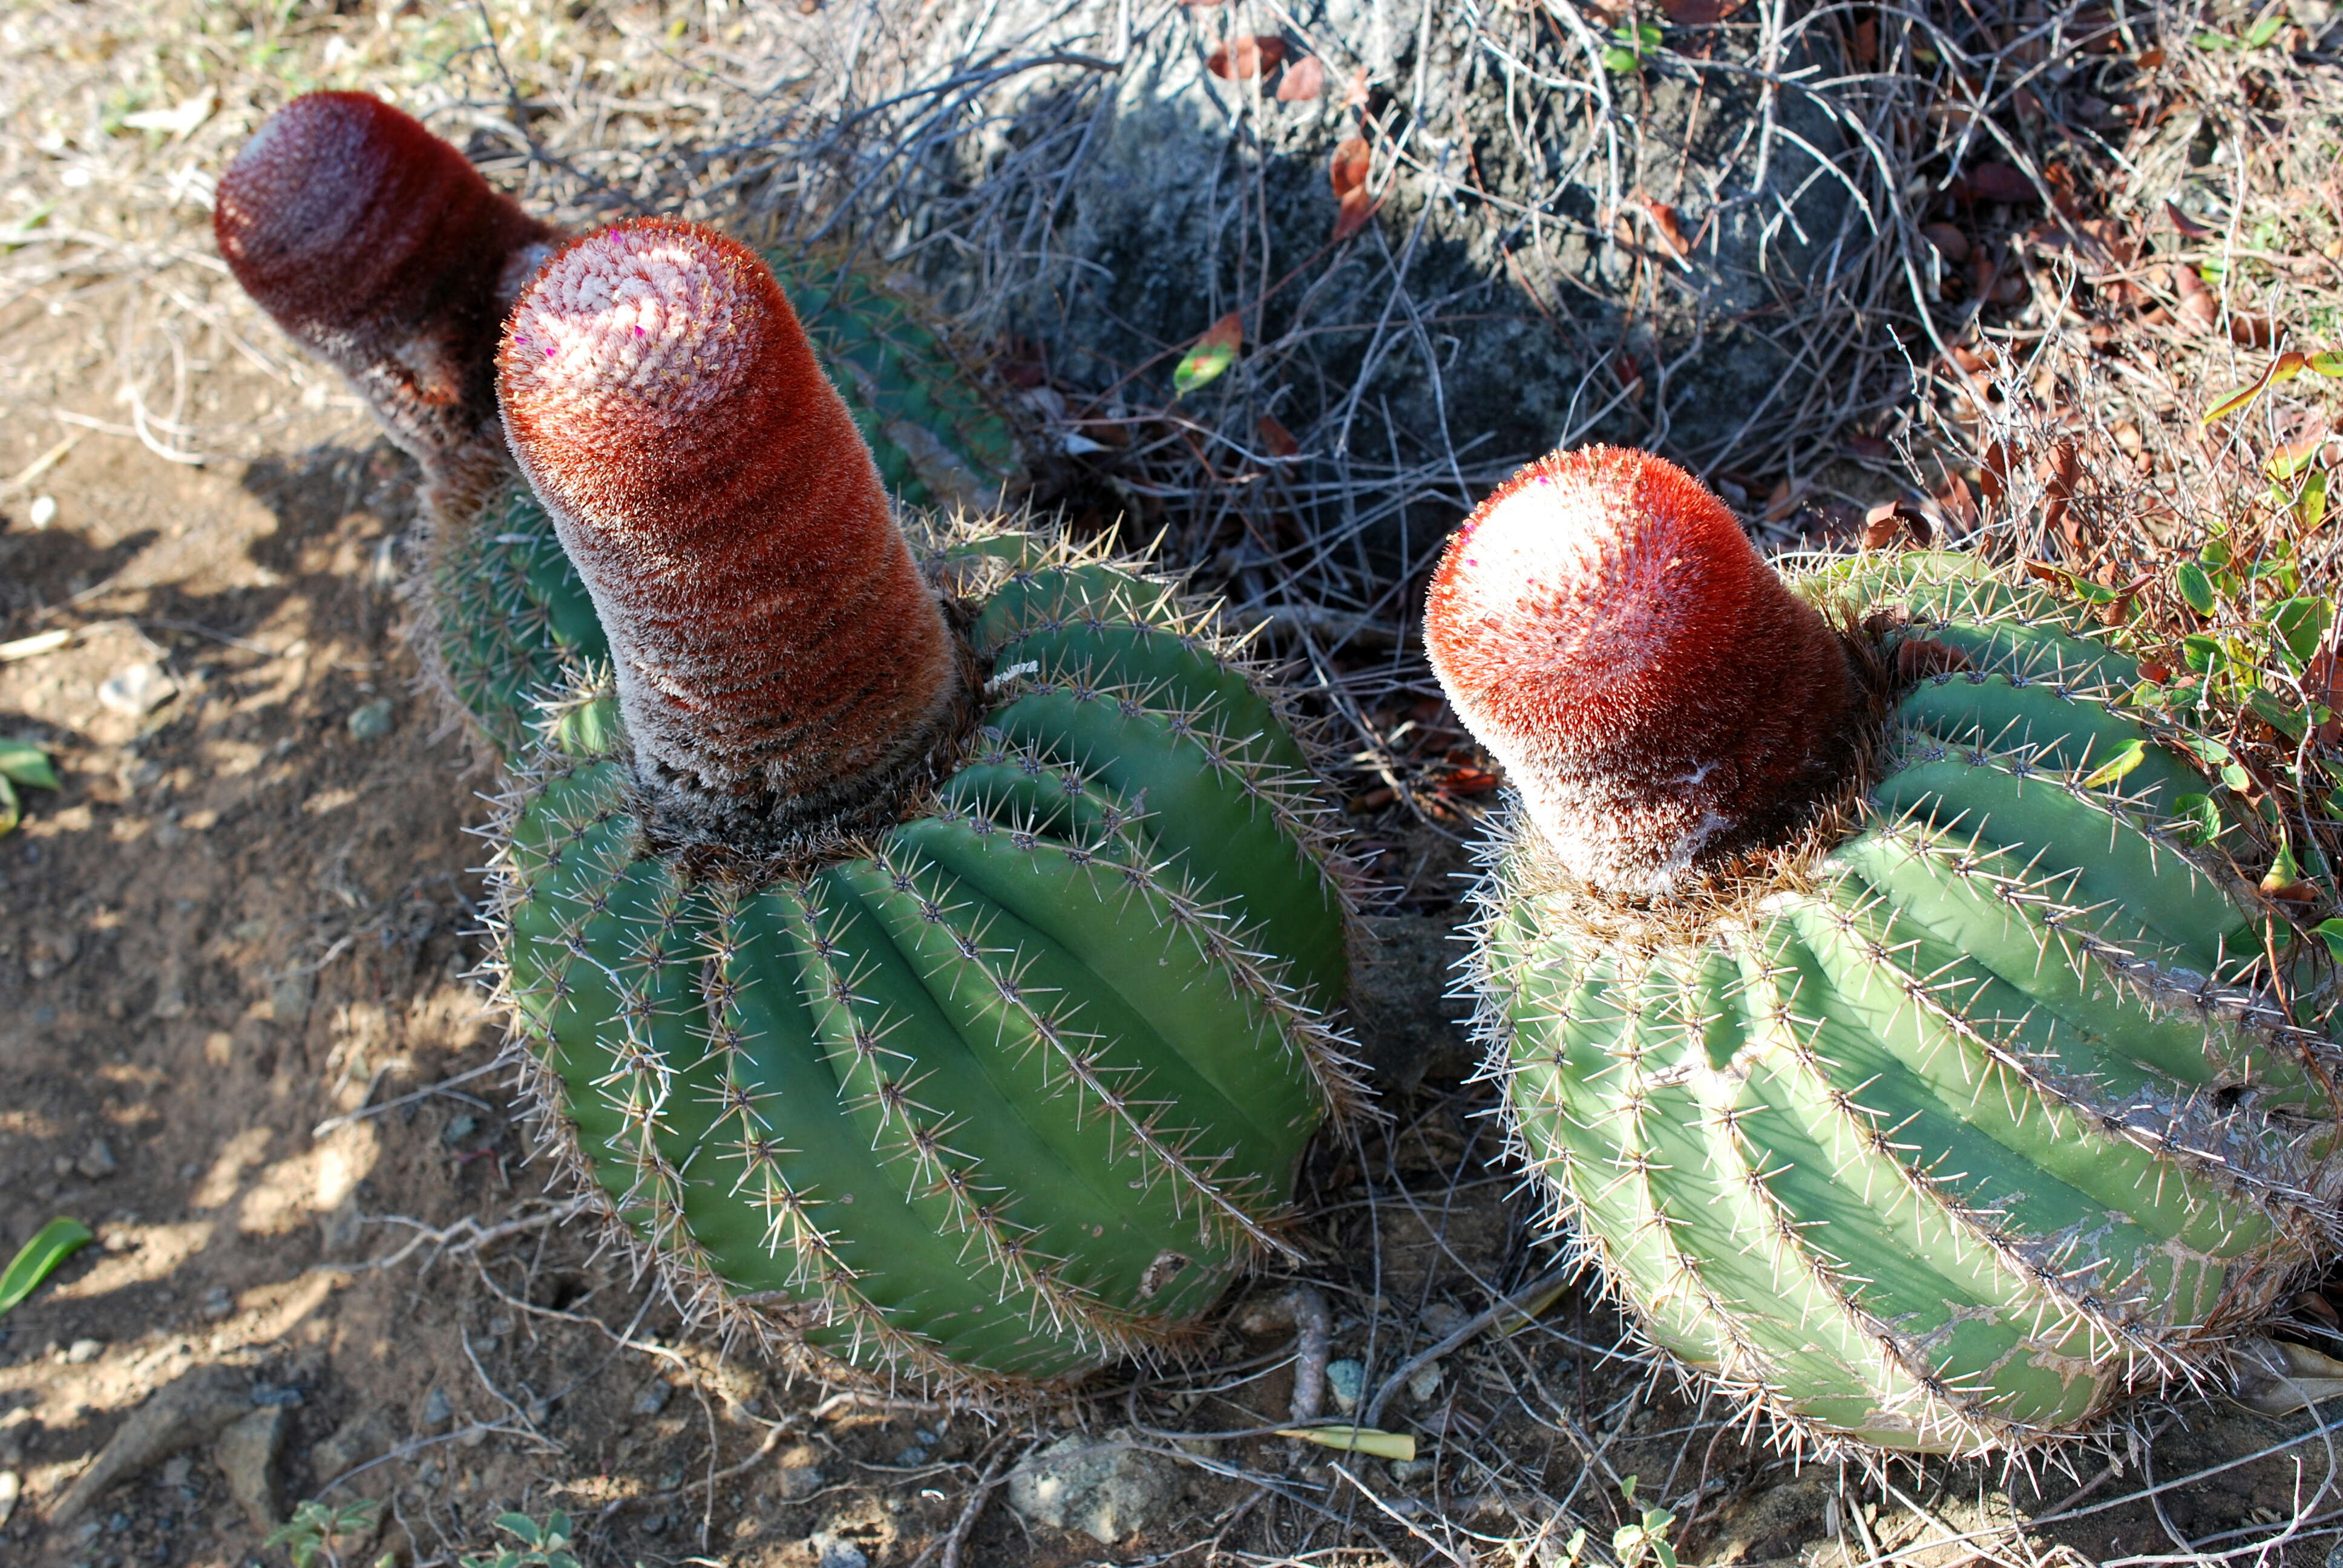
{"x":1351,"y":161}
{"x":1999,"y":182}
{"x":1671,"y":232}
{"x":2197,"y":306}
{"x":1357,"y":208}
{"x":1958,"y":505}
{"x":2149,"y":59}
{"x":2184,"y":223}
{"x":1919,"y":658}
{"x":1869,"y":448}
{"x":2061,"y":470}
{"x":1993,"y":472}
{"x":1864,"y":46}
{"x":1277,"y":437}
{"x":2150,"y":669}
{"x":1949,"y":241}
{"x":1890,"y":521}
{"x":1304,"y":79}
{"x":1245,"y":55}
{"x":2285,"y":367}
{"x":1471,"y":781}
{"x":1699,"y":13}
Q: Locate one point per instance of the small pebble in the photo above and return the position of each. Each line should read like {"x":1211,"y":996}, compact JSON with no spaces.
{"x":97,"y":1162}
{"x":912,"y":1457}
{"x":1344,"y":1380}
{"x":437,"y":1410}
{"x":370,"y":721}
{"x":42,"y":512}
{"x":1424,"y":1382}
{"x":81,"y":1352}
{"x":12,"y":1487}
{"x":655,"y":1525}
{"x":653,"y":1399}
{"x":217,"y":1303}
{"x":460,"y":1126}
{"x":137,"y":691}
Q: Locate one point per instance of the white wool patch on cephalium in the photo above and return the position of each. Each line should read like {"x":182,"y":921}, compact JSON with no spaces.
{"x":645,"y":318}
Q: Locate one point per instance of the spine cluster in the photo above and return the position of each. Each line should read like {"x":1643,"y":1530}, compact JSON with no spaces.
{"x":379,"y":248}
{"x":1658,"y":698}
{"x":783,"y":667}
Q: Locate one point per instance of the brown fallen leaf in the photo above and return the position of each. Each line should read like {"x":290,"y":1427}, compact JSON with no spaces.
{"x":1351,"y":161}
{"x":1354,"y":95}
{"x":1863,"y":43}
{"x":2000,"y":182}
{"x":1670,"y":232}
{"x":1890,"y":522}
{"x":1244,"y":56}
{"x":1277,"y":437}
{"x":1304,"y":79}
{"x":1699,"y":13}
{"x":1949,"y":241}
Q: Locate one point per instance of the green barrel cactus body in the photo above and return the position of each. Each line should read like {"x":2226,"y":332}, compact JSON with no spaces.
{"x":510,"y":624}
{"x":1008,"y":1088}
{"x":1955,"y":1122}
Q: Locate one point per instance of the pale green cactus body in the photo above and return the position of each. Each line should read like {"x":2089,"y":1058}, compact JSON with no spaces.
{"x":1015,"y":1086}
{"x":1955,"y":1124}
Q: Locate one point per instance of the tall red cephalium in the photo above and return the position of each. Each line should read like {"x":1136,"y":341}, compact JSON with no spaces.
{"x":379,"y":248}
{"x":1659,"y":698}
{"x":783,"y":668}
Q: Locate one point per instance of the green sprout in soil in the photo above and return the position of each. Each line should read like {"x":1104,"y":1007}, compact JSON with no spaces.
{"x":38,"y":1259}
{"x":546,"y":1546}
{"x":21,"y":762}
{"x":315,"y":1527}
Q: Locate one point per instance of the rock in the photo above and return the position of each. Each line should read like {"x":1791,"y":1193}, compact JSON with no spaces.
{"x":1425,"y":1381}
{"x":12,"y":1487}
{"x":799,"y":1473}
{"x":835,"y":1552}
{"x":288,"y":997}
{"x":246,"y":1454}
{"x":1106,"y":1488}
{"x":1346,"y":1380}
{"x":218,"y":1304}
{"x":51,"y":951}
{"x":136,"y":690}
{"x":1412,"y":1471}
{"x":654,"y":1397}
{"x":340,"y":1228}
{"x":12,"y":1437}
{"x":176,"y":1469}
{"x":370,"y":721}
{"x":42,"y":512}
{"x":365,"y":1437}
{"x":97,"y":1162}
{"x":437,"y":1412}
{"x":1405,"y":1021}
{"x":81,"y":1352}
{"x":186,"y":1414}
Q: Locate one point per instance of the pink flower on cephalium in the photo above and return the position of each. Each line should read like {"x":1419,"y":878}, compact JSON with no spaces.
{"x":379,"y":248}
{"x":783,"y":667}
{"x":1659,"y":699}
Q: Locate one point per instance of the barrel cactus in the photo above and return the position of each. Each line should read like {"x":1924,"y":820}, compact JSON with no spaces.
{"x":1872,"y":1029}
{"x":379,"y":247}
{"x":923,"y":936}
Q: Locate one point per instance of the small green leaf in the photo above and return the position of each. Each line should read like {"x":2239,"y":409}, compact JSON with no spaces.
{"x":1621,"y":62}
{"x":1628,"y":1488}
{"x":1213,"y":353}
{"x":11,"y":813}
{"x":2216,"y":552}
{"x":2301,"y":622}
{"x":2332,"y":931}
{"x":2265,"y":30}
{"x":2198,"y":819}
{"x":2201,"y":654}
{"x":2195,"y":587}
{"x":520,"y":1524}
{"x":2238,"y":779}
{"x":2311,"y":509}
{"x":1365,"y":1440}
{"x":2287,"y":721}
{"x":38,"y":1259}
{"x":2213,"y":752}
{"x":1663,"y":1555}
{"x":2115,"y":767}
{"x":22,"y":762}
{"x":2327,"y":362}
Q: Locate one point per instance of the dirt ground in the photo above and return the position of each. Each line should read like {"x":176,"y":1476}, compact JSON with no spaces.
{"x":239,"y":1036}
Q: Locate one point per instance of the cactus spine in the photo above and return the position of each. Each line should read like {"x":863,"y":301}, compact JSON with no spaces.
{"x":939,"y":987}
{"x":378,"y":246}
{"x":1941,"y":1113}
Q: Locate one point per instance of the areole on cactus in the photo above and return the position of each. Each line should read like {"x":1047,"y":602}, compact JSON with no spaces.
{"x":379,"y":246}
{"x":924,"y":943}
{"x":1896,"y":1064}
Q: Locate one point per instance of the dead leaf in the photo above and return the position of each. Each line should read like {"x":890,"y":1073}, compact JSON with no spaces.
{"x":2061,"y":469}
{"x":1890,"y":521}
{"x":2197,"y":306}
{"x":1957,"y":505}
{"x":1999,"y":182}
{"x":2149,"y":59}
{"x":1864,"y":45}
{"x":2184,"y":223}
{"x":1277,"y":437}
{"x":1671,"y":232}
{"x":1354,"y":95}
{"x":1783,"y":499}
{"x":1351,"y":162}
{"x":1244,"y":56}
{"x":1699,"y":13}
{"x":1304,"y":79}
{"x":1870,"y":449}
{"x":1949,"y":241}
{"x":1993,"y":471}
{"x":1357,"y":208}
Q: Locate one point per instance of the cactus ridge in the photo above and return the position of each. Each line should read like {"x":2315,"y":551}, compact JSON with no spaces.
{"x":503,"y":622}
{"x":1962,"y":1118}
{"x":1002,"y":1092}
